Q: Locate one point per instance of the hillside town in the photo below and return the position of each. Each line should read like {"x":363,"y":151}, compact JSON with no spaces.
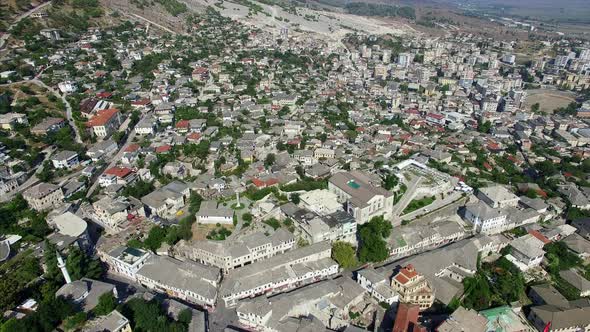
{"x":233,"y":178}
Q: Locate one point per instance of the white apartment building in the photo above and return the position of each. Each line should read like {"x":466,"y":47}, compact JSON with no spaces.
{"x":65,"y":159}
{"x":485,"y":219}
{"x":125,"y":261}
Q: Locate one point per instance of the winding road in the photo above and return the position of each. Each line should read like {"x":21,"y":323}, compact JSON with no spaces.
{"x":5,"y":37}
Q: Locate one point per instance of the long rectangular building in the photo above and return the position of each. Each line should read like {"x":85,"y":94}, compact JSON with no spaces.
{"x":240,"y":252}
{"x":280,"y":273}
{"x":189,"y":281}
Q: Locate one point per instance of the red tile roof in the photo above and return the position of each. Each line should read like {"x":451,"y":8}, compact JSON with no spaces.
{"x":193,"y":136}
{"x":163,"y":148}
{"x":102,"y":117}
{"x":406,"y":274}
{"x":119,"y":172}
{"x":539,"y":236}
{"x":132,"y":148}
{"x":406,"y":318}
{"x":182,"y":124}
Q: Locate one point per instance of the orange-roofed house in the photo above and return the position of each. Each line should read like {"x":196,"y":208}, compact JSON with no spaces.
{"x":413,"y":287}
{"x":163,"y":149}
{"x":406,"y":319}
{"x":182,"y":126}
{"x":116,"y":175}
{"x":105,"y":122}
{"x":193,"y":137}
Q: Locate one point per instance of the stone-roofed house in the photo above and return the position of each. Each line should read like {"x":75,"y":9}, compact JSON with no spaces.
{"x":486,"y":219}
{"x":378,"y":285}
{"x":578,"y":245}
{"x":497,"y":197}
{"x":578,"y":281}
{"x":166,"y":201}
{"x":43,"y":196}
{"x":463,"y":320}
{"x":363,"y":199}
{"x":65,"y":159}
{"x":212,"y":212}
{"x":527,"y":252}
{"x":124,"y":261}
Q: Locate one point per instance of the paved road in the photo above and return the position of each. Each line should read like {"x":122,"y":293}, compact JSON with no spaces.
{"x":119,"y":154}
{"x":5,"y":37}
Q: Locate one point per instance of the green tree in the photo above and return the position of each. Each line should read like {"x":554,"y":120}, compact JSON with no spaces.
{"x":75,"y":321}
{"x":373,"y":247}
{"x":269,"y":160}
{"x":79,"y":265}
{"x":295,"y":198}
{"x":390,"y":181}
{"x":344,"y":253}
{"x":106,"y":303}
{"x":155,"y":238}
{"x":185,"y":316}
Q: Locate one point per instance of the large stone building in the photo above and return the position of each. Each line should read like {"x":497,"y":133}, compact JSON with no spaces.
{"x":240,"y":252}
{"x":362,"y":198}
{"x":280,"y":273}
{"x":189,"y":281}
{"x":43,"y":196}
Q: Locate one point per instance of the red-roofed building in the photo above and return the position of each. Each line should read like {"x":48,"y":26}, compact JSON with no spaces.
{"x":132,"y":148}
{"x":406,"y":319}
{"x":105,"y":122}
{"x":193,"y":137}
{"x":259,"y":183}
{"x":142,"y":104}
{"x":163,"y":149}
{"x":119,"y":172}
{"x":104,"y":95}
{"x":182,"y":126}
{"x":438,"y":119}
{"x":413,"y":287}
{"x":200,"y":74}
{"x":539,"y":236}
{"x":116,"y":175}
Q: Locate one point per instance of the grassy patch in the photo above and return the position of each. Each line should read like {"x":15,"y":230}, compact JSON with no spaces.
{"x":418,"y":204}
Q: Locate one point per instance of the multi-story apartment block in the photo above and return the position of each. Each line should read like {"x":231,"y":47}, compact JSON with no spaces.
{"x":65,"y":159}
{"x":125,"y":261}
{"x":242,"y":251}
{"x":105,"y":122}
{"x":363,"y":199}
{"x":413,"y":287}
